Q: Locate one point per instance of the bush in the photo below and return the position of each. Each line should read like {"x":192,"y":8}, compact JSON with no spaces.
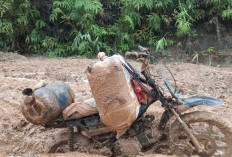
{"x":84,"y":27}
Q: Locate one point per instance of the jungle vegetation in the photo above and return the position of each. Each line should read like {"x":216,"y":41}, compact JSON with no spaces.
{"x":85,"y":27}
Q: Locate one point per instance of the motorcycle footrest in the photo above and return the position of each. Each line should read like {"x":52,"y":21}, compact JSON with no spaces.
{"x":143,"y":139}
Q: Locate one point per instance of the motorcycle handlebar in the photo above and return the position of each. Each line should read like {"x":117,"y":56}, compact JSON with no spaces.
{"x":136,"y":54}
{"x":132,"y":54}
{"x":142,"y":49}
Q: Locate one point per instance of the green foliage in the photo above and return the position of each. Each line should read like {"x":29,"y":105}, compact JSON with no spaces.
{"x":85,"y":27}
{"x":136,"y":4}
{"x":183,"y":19}
{"x":227,"y":14}
{"x":163,"y":43}
{"x":183,"y":23}
{"x":154,"y":21}
{"x":210,"y":50}
{"x":195,"y":57}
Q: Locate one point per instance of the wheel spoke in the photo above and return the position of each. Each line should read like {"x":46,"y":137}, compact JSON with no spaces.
{"x":210,"y":129}
{"x":210,"y":132}
{"x":222,"y":147}
{"x":205,"y":143}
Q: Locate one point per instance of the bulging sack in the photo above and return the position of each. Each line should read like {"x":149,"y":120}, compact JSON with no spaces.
{"x":111,"y":87}
{"x":46,"y":103}
{"x":80,"y":109}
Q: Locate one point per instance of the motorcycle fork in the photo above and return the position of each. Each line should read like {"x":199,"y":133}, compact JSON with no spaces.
{"x":187,"y":130}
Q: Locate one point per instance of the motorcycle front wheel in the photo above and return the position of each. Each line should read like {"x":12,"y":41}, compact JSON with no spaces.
{"x":213,"y":133}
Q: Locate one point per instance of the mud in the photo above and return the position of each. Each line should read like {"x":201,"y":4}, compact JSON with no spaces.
{"x":127,"y":147}
{"x":18,"y":72}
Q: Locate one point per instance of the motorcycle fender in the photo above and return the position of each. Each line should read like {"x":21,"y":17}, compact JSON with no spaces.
{"x":196,"y":101}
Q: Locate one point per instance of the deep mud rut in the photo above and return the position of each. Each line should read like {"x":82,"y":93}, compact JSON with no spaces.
{"x":17,"y":72}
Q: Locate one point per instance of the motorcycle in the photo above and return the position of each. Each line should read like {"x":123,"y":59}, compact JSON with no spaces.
{"x":178,"y":132}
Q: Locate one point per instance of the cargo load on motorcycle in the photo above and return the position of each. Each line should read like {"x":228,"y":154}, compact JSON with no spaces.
{"x":113,"y":93}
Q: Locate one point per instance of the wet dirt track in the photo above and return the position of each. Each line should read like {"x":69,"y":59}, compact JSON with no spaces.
{"x":18,"y":72}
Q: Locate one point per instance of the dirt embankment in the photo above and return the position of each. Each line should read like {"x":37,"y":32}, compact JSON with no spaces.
{"x":18,"y":72}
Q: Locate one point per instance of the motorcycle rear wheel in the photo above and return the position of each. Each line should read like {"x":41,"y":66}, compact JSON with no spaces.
{"x":80,"y":144}
{"x":61,"y":143}
{"x":212,"y":132}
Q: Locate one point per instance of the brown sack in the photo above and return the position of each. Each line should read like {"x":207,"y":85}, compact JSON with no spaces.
{"x":111,"y":87}
{"x":80,"y":109}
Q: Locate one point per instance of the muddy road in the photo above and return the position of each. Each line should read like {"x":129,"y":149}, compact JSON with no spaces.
{"x":18,"y":72}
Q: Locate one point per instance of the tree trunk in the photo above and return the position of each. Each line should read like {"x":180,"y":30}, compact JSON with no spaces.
{"x":218,"y":30}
